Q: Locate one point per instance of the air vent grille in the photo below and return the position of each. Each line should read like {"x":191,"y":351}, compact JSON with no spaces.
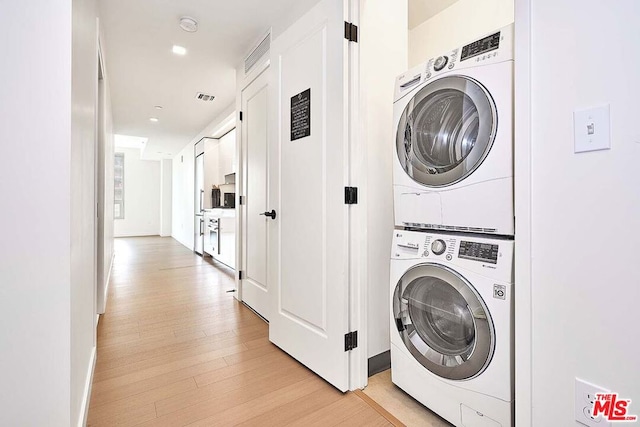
{"x":415,"y":225}
{"x":204,"y":97}
{"x":257,"y":53}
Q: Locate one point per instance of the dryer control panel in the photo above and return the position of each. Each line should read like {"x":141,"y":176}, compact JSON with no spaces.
{"x":484,"y":255}
{"x":488,"y":49}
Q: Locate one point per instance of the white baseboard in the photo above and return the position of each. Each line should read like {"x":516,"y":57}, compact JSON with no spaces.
{"x":137,"y":234}
{"x":84,"y":409}
{"x":106,"y":285}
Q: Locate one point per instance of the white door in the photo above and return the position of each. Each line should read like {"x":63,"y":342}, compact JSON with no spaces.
{"x":308,"y":172}
{"x":254,"y":225}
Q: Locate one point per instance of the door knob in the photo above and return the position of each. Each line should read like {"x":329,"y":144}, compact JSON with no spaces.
{"x":271,"y":214}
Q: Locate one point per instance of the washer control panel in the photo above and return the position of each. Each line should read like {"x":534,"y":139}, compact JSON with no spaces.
{"x":492,"y":257}
{"x":483,"y":252}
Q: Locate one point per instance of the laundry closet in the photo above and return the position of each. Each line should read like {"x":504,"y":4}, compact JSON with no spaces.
{"x":355,"y":210}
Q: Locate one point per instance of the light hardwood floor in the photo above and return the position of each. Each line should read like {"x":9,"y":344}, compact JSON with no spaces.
{"x":175,"y":348}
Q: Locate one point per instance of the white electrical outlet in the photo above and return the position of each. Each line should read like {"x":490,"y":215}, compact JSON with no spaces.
{"x":585,"y":395}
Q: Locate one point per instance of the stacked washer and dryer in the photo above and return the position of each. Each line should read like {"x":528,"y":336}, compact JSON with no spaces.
{"x":452,"y":254}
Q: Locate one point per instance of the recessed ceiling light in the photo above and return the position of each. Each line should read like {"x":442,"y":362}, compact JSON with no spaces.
{"x":189,"y":24}
{"x":153,"y":119}
{"x":158,"y":107}
{"x":179,"y":50}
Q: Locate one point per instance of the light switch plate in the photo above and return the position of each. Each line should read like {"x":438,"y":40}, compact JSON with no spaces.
{"x":592,"y":129}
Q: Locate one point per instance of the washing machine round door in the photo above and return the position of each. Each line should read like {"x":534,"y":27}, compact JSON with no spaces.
{"x":446,"y":131}
{"x":443,"y":322}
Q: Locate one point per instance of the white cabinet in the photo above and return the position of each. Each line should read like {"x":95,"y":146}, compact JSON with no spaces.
{"x":219,"y":160}
{"x":227,"y":230}
{"x":227,"y":153}
{"x":211,"y":168}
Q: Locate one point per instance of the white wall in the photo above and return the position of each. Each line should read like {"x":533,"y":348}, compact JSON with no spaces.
{"x":142,"y":186}
{"x":105,"y":190}
{"x":35,"y":261}
{"x":47,"y":267}
{"x":84,"y":94}
{"x":377,"y":133}
{"x":166,"y":203}
{"x":585,"y":208}
{"x":458,"y":24}
{"x":183,"y":200}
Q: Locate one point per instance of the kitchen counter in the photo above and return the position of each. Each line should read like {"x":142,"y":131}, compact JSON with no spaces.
{"x":221,"y":212}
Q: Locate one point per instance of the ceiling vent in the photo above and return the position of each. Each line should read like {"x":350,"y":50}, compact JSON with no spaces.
{"x":204,"y":97}
{"x":257,"y":53}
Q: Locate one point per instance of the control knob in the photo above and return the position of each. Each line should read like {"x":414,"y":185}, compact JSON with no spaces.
{"x":438,"y":247}
{"x":440,"y":63}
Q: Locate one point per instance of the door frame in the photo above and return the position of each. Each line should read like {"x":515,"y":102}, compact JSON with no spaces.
{"x":358,"y":240}
{"x":100,"y":196}
{"x":523,"y":297}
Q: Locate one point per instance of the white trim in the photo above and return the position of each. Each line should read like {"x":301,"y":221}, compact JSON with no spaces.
{"x":358,"y":268}
{"x":106,"y":284}
{"x":84,"y":408}
{"x":522,"y":177}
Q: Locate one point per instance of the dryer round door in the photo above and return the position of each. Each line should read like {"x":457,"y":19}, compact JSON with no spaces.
{"x":443,"y":322}
{"x":446,"y":131}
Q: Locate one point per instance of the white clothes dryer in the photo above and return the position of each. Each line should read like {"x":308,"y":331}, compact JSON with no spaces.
{"x":452,"y":325}
{"x":453,"y":116}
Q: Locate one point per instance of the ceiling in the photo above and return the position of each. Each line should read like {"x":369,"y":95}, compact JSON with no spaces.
{"x":421,"y":10}
{"x":143,"y":72}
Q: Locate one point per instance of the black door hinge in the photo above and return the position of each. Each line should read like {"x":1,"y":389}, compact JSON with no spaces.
{"x":350,"y":340}
{"x":351,"y":32}
{"x":240,"y":275}
{"x":240,"y":115}
{"x":350,"y":195}
{"x":241,"y":200}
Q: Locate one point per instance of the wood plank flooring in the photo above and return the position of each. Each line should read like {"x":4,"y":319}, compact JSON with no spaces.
{"x":175,"y":349}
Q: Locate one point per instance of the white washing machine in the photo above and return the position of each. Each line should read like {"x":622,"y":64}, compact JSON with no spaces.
{"x":453,"y":116}
{"x":452,"y":325}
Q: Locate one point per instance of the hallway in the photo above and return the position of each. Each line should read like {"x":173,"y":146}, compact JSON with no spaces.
{"x":175,"y":348}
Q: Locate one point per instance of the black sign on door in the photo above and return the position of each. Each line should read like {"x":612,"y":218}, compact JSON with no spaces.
{"x":301,"y":115}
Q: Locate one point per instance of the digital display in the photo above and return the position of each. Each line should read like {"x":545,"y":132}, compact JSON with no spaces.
{"x":479,"y":252}
{"x":479,"y":47}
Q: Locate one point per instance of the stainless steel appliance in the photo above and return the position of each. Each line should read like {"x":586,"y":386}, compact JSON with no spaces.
{"x":215,"y":197}
{"x":212,"y":236}
{"x":229,"y":200}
